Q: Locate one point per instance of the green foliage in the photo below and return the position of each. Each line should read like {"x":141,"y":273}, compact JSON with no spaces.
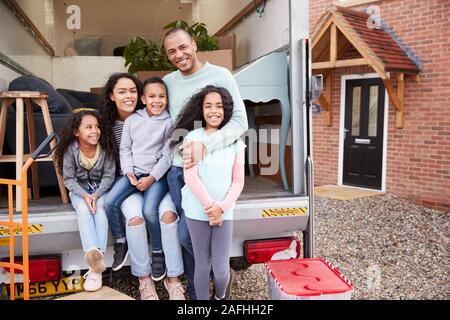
{"x":200,"y":33}
{"x":146,"y":55}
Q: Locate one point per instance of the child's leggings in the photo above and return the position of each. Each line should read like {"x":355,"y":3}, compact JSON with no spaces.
{"x":211,"y":246}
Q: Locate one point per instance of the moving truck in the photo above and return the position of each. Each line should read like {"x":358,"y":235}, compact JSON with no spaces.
{"x":274,"y":77}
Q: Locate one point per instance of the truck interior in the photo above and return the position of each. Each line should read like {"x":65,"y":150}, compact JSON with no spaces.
{"x":75,"y":47}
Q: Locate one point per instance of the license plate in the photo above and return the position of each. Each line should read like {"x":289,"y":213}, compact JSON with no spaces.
{"x":50,"y":288}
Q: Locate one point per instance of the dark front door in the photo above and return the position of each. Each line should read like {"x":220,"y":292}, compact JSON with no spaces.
{"x":363,"y":144}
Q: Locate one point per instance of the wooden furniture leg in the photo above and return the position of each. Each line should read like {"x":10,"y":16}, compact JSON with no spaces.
{"x":19,"y":150}
{"x":49,"y":128}
{"x":3,"y":117}
{"x":32,"y":144}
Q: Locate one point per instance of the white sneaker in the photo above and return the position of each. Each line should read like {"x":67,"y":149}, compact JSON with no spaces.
{"x":94,"y":259}
{"x":93,"y":281}
{"x":147,"y":289}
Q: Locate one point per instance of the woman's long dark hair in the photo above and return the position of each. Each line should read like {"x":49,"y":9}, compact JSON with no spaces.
{"x":193,"y":110}
{"x":67,"y":136}
{"x":107,"y":106}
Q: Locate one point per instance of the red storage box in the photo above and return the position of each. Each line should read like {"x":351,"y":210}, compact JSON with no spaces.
{"x":306,"y":279}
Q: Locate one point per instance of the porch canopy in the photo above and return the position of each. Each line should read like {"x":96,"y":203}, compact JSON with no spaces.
{"x":343,"y":38}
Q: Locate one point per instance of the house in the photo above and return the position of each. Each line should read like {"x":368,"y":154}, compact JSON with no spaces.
{"x":384,"y":120}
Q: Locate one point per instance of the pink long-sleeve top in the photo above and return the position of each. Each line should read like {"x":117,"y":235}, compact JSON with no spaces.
{"x":197,"y":187}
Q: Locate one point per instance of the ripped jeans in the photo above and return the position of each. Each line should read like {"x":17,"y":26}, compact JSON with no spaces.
{"x":138,"y":247}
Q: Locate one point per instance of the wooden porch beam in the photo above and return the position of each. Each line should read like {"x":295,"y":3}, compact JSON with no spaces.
{"x":340,"y":63}
{"x":397,"y":98}
{"x":320,"y":34}
{"x":333,"y":44}
{"x":328,"y":96}
{"x":324,"y":103}
{"x":352,"y":62}
{"x":375,"y":63}
{"x":322,"y":65}
{"x":414,"y":77}
{"x":401,"y":96}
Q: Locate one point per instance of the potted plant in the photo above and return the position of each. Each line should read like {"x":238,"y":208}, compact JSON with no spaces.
{"x":148,"y":58}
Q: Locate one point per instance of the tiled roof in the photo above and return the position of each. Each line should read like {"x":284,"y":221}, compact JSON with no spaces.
{"x":378,"y":42}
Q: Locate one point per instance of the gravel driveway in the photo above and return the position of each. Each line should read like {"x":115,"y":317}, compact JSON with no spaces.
{"x":388,"y":247}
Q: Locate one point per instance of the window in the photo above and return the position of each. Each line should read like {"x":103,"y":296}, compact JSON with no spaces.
{"x":356,"y":110}
{"x":373,"y":110}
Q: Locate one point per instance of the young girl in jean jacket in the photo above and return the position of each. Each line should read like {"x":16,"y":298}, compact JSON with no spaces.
{"x":86,"y":158}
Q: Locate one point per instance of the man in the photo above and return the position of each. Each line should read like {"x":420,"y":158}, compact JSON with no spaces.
{"x":191,"y":76}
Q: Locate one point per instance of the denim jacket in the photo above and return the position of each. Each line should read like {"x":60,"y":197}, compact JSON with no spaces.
{"x":80,"y":181}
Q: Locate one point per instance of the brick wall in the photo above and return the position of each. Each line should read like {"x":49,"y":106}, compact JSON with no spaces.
{"x":418,"y":162}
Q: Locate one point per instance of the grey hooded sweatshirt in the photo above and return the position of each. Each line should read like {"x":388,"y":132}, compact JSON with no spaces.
{"x":145,"y":145}
{"x":79,"y":180}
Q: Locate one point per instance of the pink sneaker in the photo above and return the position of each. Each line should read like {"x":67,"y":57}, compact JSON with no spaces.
{"x":175,"y":289}
{"x":94,"y":259}
{"x":93,"y":281}
{"x":147,"y":289}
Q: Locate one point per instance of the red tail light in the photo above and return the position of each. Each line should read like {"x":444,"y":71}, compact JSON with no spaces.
{"x":42,"y":268}
{"x":258,"y":251}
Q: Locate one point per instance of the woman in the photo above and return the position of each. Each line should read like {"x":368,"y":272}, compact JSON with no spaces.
{"x":121,"y":97}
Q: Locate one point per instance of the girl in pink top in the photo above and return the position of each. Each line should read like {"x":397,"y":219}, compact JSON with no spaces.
{"x":212,"y":187}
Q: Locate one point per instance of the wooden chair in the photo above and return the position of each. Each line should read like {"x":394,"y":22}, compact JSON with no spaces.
{"x":26,"y":98}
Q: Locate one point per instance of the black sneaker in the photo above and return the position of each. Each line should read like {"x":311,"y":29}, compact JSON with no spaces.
{"x":230,"y":285}
{"x":158,"y":266}
{"x":120,"y":256}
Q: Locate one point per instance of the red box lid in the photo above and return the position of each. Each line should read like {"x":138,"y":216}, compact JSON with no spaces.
{"x":308,"y":277}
